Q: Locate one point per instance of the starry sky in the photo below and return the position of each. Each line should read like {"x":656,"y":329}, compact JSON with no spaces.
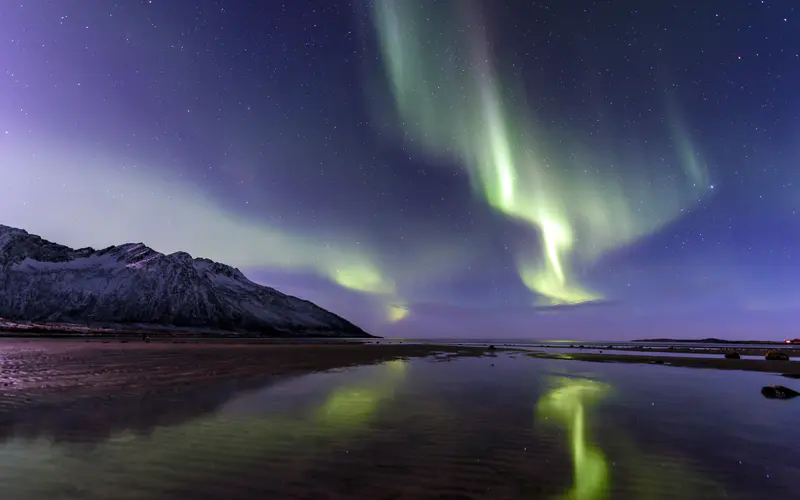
{"x":467,"y":168}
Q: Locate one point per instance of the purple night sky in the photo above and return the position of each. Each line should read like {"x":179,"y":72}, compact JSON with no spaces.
{"x":550,"y":170}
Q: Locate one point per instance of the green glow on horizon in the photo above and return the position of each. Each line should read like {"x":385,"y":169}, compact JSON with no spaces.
{"x":451,"y":101}
{"x":397,"y":312}
{"x":566,"y":404}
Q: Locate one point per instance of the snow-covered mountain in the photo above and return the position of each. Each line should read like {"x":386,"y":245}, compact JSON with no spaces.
{"x":133,"y":284}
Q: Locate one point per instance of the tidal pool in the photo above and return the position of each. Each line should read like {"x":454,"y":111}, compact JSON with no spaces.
{"x":501,"y":426}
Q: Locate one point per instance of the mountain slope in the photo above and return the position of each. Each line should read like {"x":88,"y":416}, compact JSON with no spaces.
{"x":133,"y":284}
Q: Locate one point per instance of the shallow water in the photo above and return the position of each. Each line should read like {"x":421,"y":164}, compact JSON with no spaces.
{"x":500,"y":426}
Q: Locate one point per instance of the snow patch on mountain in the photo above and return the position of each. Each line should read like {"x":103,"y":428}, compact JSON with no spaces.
{"x":134,"y":284}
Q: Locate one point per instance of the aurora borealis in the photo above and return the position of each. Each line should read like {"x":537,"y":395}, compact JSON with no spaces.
{"x":428,"y":168}
{"x":453,"y":100}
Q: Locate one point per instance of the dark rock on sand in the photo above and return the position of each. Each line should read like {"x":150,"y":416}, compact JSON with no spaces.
{"x":732,"y":355}
{"x":492,"y":348}
{"x":776,"y":356}
{"x":778,"y":392}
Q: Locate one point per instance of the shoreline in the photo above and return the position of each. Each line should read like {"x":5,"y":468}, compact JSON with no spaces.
{"x":43,"y":381}
{"x":47,"y":369}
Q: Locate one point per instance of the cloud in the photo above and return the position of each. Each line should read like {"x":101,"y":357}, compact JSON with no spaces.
{"x":442,"y":309}
{"x":564,"y":308}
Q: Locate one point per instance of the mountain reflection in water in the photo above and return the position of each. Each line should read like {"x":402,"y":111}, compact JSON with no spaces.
{"x":427,"y":429}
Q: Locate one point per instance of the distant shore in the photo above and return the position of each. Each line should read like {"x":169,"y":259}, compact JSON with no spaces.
{"x":714,"y":341}
{"x":792,"y":350}
{"x":786,"y":368}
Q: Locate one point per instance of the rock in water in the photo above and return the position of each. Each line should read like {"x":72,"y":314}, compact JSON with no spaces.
{"x":732,"y":355}
{"x":776,"y":356}
{"x":133,"y":284}
{"x":778,"y":392}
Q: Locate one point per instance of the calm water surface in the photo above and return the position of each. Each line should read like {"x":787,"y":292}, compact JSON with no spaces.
{"x":449,"y":428}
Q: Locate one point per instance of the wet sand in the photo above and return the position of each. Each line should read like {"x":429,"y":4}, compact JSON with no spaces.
{"x":43,"y":379}
{"x":42,"y":368}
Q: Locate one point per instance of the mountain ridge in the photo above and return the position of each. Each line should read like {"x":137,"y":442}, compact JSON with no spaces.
{"x":131,"y":283}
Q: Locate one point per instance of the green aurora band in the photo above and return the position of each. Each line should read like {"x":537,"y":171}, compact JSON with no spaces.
{"x":452,"y":102}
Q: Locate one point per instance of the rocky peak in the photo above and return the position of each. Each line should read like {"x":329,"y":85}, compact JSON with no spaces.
{"x":182,"y":257}
{"x":220,"y":269}
{"x":129,"y":253}
{"x":17,"y":245}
